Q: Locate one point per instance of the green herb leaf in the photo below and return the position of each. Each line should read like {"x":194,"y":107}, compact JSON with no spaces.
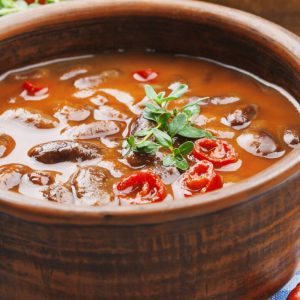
{"x":177,"y":124}
{"x":193,"y":109}
{"x":162,"y":120}
{"x":147,"y":147}
{"x":186,"y":148}
{"x":179,"y":91}
{"x":154,"y":108}
{"x":169,"y":161}
{"x":193,"y":132}
{"x":142,"y":132}
{"x":176,"y":152}
{"x":150,"y":115}
{"x":161,"y":95}
{"x":181,"y":163}
{"x":162,"y":138}
{"x":131,"y":141}
{"x":150,"y":92}
{"x":195,"y":102}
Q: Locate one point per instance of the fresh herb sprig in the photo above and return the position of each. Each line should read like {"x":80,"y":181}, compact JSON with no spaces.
{"x":11,"y":6}
{"x":168,"y":125}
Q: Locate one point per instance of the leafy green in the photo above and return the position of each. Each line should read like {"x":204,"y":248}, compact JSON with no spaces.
{"x":150,"y":92}
{"x":142,"y":132}
{"x":194,"y":132}
{"x":181,"y":163}
{"x":167,"y":125}
{"x":162,"y":138}
{"x":177,"y":124}
{"x":147,"y":147}
{"x":179,"y":91}
{"x":186,"y":148}
{"x":169,"y":160}
{"x":160,"y":98}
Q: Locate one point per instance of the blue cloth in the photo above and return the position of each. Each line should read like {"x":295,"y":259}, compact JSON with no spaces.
{"x":284,"y":292}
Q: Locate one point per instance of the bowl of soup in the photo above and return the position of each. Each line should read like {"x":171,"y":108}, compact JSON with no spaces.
{"x":148,"y":150}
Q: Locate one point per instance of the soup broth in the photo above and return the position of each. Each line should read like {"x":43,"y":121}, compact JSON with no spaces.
{"x":95,"y":130}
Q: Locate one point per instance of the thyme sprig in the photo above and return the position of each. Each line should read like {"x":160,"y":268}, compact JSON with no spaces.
{"x":168,"y":126}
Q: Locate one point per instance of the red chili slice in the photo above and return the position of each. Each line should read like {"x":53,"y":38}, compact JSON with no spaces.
{"x":33,"y":88}
{"x":145,"y":187}
{"x":218,"y":152}
{"x":295,"y":293}
{"x":33,"y":1}
{"x":144,"y":75}
{"x":201,"y":178}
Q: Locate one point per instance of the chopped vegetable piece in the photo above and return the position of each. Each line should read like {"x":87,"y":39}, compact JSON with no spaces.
{"x":201,"y":178}
{"x":33,"y":88}
{"x":145,"y":187}
{"x":144,"y":75}
{"x":218,"y":152}
{"x":295,"y":293}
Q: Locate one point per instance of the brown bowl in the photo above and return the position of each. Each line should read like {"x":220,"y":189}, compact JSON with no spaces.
{"x":241,"y":242}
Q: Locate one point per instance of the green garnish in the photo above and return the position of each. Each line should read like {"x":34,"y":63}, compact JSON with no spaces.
{"x":11,"y":6}
{"x":169,"y":124}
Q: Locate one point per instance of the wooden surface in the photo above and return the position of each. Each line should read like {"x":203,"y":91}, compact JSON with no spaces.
{"x":283,"y":12}
{"x":236,"y":244}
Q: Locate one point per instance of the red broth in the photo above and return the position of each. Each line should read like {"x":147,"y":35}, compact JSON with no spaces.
{"x":63,"y":126}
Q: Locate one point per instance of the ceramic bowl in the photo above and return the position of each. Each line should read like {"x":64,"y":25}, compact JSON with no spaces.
{"x":241,"y":242}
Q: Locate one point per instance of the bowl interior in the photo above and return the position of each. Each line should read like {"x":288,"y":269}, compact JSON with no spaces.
{"x":185,"y":27}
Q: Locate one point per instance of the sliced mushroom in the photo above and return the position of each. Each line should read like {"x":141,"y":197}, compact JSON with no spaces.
{"x":167,"y":174}
{"x":292,"y":137}
{"x":92,"y":185}
{"x":7,"y":144}
{"x":73,"y":73}
{"x":59,"y":192}
{"x":95,"y":80}
{"x":219,"y":100}
{"x":11,"y":175}
{"x":92,"y":130}
{"x":137,"y":160}
{"x":42,"y":177}
{"x":72,"y":113}
{"x":108,"y":113}
{"x":31,"y":117}
{"x":31,"y":74}
{"x":260,"y":143}
{"x":241,"y":117}
{"x":65,"y":150}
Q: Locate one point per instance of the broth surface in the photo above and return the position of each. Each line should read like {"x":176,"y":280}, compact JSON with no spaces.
{"x":103,"y":89}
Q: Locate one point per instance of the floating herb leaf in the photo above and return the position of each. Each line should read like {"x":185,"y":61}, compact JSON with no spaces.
{"x":194,"y":133}
{"x":186,"y":148}
{"x":162,"y":138}
{"x":168,"y":124}
{"x":177,"y":124}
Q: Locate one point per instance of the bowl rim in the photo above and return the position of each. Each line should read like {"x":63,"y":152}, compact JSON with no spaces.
{"x":273,"y":177}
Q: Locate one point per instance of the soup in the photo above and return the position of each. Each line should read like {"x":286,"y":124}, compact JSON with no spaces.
{"x":138,"y":128}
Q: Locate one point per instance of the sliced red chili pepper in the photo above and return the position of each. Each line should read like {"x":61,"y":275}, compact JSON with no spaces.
{"x":218,"y":152}
{"x":295,"y":293}
{"x":201,"y":178}
{"x":33,"y":88}
{"x":144,"y":187}
{"x":33,"y":1}
{"x":144,"y":75}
